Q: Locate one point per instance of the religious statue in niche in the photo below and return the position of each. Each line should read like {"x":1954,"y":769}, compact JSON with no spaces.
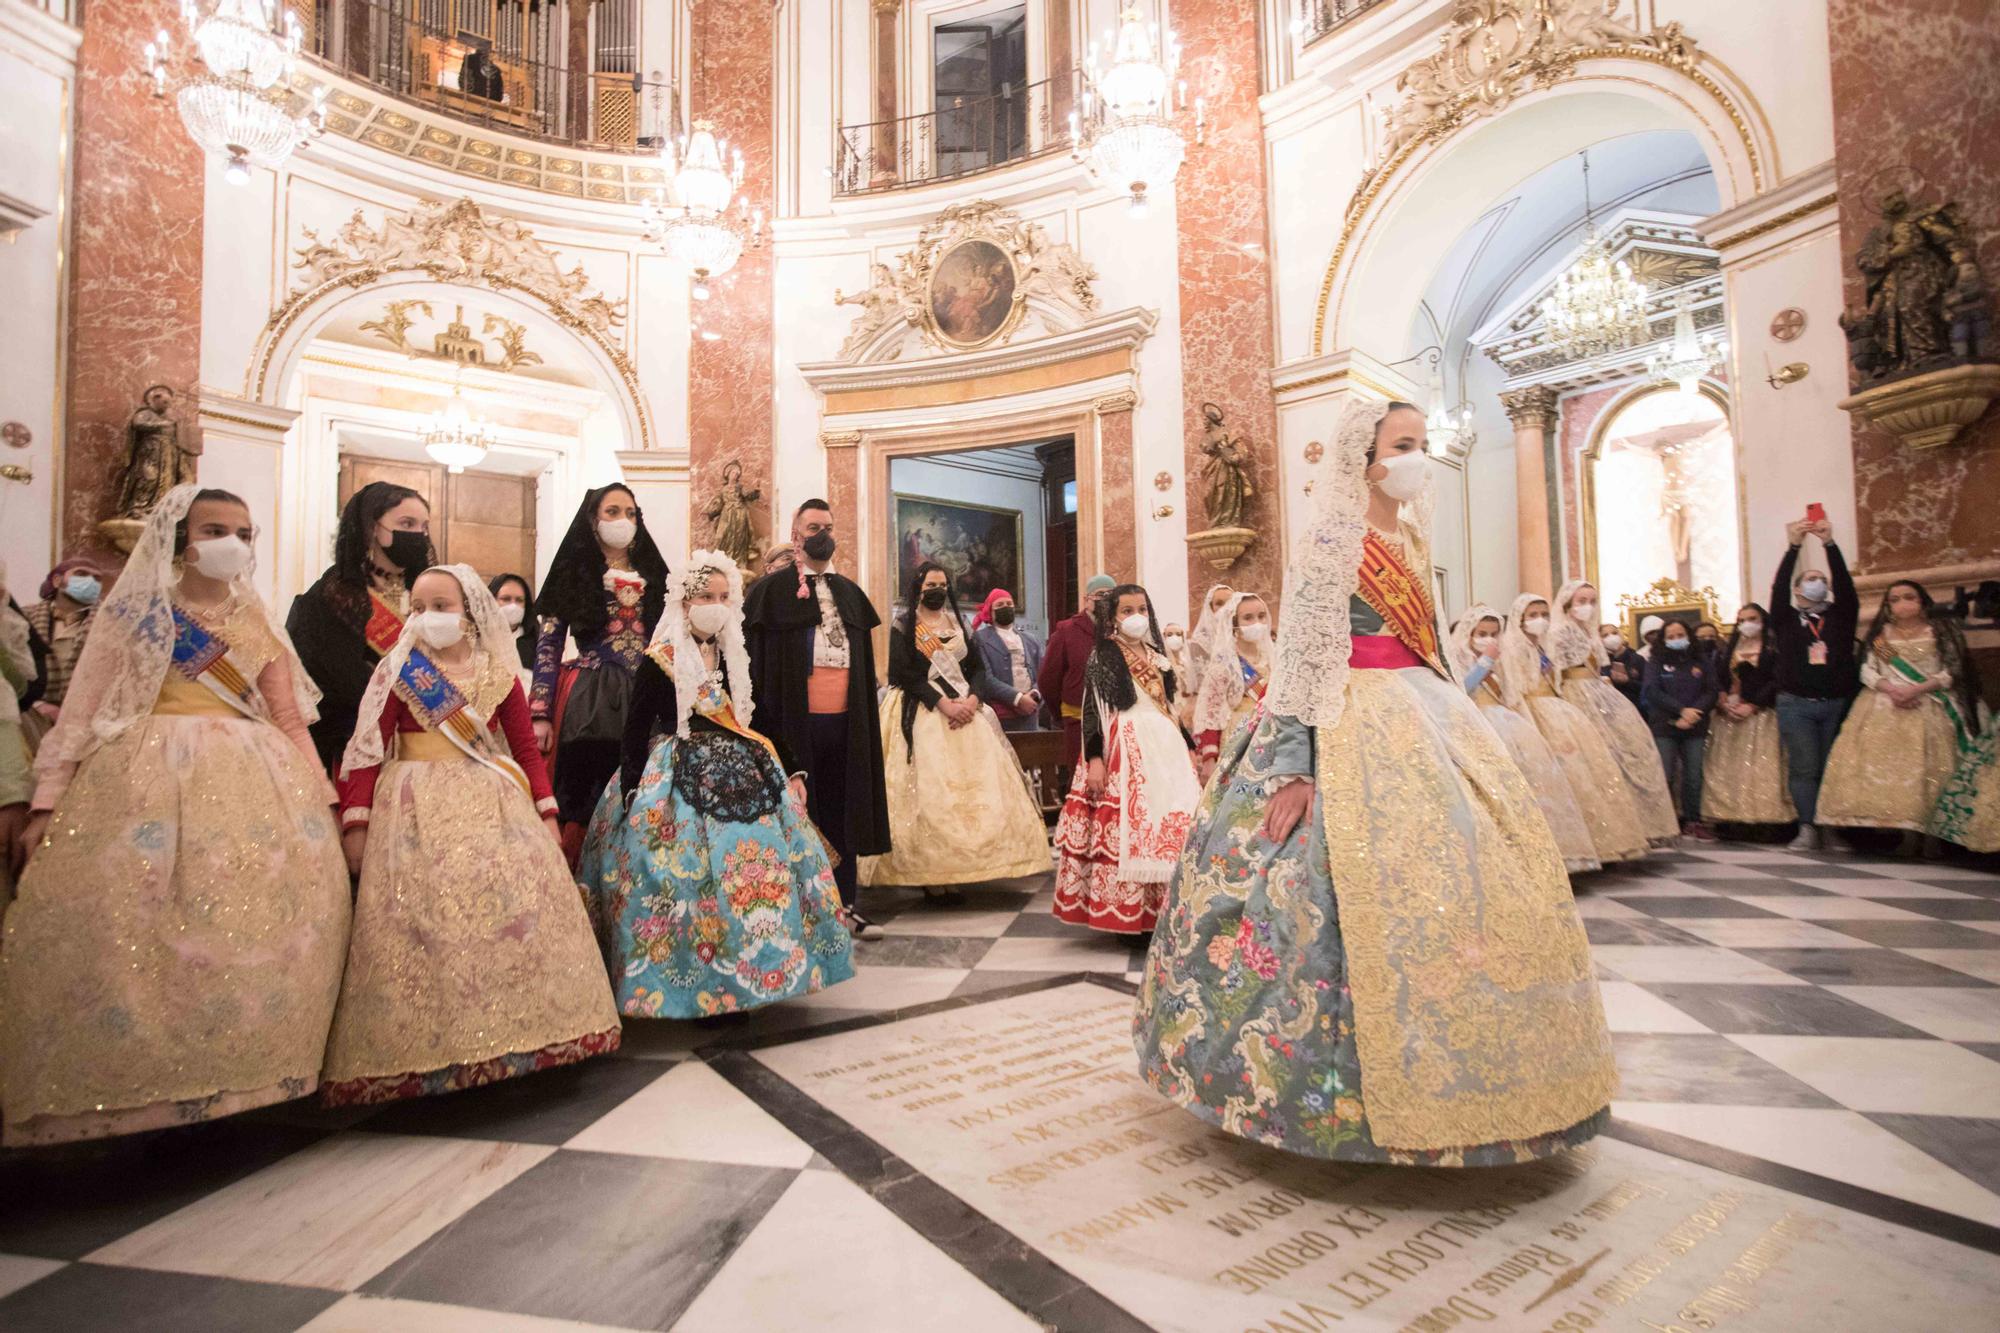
{"x":1928,"y":305}
{"x":1226,"y":492}
{"x":157,"y":457}
{"x":1225,"y":475}
{"x":729,"y":513}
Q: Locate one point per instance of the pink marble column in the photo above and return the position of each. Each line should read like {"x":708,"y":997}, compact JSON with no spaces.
{"x":135,"y":276}
{"x":1227,"y":342}
{"x":1119,"y":555}
{"x":730,"y":381}
{"x":885,"y":167}
{"x":1533,"y":412}
{"x":1914,"y":88}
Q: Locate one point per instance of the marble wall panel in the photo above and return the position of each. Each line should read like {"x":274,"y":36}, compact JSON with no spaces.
{"x":730,"y":381}
{"x":1913,"y":86}
{"x":1120,"y":557}
{"x":135,"y":280}
{"x":1227,"y":339}
{"x":1578,"y":418}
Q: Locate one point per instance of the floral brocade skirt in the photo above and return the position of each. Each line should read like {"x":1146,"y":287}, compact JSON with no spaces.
{"x":177,"y":945}
{"x":712,"y":893}
{"x":1889,"y":765}
{"x":1743,"y":774}
{"x":472,"y":959}
{"x":1404,"y":979}
{"x":1968,"y":808}
{"x":1115,"y":852}
{"x":960,"y":811}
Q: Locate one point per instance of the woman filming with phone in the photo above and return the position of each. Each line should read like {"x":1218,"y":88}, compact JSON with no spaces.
{"x":1814,"y":613}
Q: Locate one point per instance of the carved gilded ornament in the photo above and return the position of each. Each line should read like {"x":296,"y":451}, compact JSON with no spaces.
{"x":1534,"y":406}
{"x":975,"y":274}
{"x":456,"y":342}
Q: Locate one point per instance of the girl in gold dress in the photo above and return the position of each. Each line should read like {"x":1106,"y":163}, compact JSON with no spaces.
{"x":176,"y":949}
{"x":1474,"y":648}
{"x":1578,"y":653}
{"x":1595,"y":780}
{"x":960,"y":810}
{"x":1917,"y":715}
{"x":1744,"y":773}
{"x":1369,"y":950}
{"x":472,"y":958}
{"x":1239,"y":671}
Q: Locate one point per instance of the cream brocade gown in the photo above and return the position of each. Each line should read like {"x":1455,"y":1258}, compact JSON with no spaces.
{"x":1743,"y":776}
{"x":960,"y":811}
{"x":1889,"y":764}
{"x":177,"y":946}
{"x":1602,"y":796}
{"x":1631,"y":745}
{"x":1546,"y":779}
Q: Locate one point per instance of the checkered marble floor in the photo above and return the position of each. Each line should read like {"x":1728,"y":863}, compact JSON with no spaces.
{"x":1829,"y":1016}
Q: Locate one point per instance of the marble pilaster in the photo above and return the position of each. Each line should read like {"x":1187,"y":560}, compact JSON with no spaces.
{"x":1119,"y":522}
{"x":1533,"y":412}
{"x":135,"y":280}
{"x":1227,"y":341}
{"x":884,"y":168}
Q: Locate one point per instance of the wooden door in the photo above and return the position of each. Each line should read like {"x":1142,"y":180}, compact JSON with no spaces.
{"x":482,"y":519}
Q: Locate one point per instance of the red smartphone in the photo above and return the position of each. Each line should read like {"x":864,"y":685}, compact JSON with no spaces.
{"x":1815,"y":512}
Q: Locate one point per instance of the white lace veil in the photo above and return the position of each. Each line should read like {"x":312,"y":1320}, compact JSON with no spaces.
{"x":1222,"y":687}
{"x":1576,"y":645}
{"x":492,"y":642}
{"x":1520,"y":653}
{"x":1310,"y":681}
{"x":690,"y":671}
{"x":1201,"y":639}
{"x":131,"y":642}
{"x":1462,"y":655}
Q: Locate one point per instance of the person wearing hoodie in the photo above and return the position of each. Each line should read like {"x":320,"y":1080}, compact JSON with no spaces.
{"x":1815,"y":613}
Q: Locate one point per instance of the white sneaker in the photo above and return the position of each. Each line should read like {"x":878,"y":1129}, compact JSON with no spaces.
{"x":1807,"y":841}
{"x":1831,"y":840}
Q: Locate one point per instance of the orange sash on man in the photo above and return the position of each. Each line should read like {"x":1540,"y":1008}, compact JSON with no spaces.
{"x":1400,"y":598}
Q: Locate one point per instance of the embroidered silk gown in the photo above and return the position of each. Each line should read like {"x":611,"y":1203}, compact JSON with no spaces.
{"x":472,"y":958}
{"x":1630,"y":742}
{"x":1403,"y":979}
{"x":960,"y":811}
{"x":1743,"y":775}
{"x":1889,"y":764}
{"x":1116,"y":851}
{"x":1546,"y":779}
{"x":1603,"y":797}
{"x":176,"y":948}
{"x":712,"y":891}
{"x":1968,"y":807}
{"x":585,"y":698}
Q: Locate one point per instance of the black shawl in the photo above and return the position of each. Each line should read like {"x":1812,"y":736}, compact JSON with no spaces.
{"x":778,"y":628}
{"x":910,"y":672}
{"x":328,"y":625}
{"x":573,"y":589}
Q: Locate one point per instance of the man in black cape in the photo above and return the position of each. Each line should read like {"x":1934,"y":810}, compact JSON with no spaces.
{"x":812,"y":672}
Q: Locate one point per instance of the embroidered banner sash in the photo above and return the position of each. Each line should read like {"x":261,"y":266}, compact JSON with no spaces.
{"x":1399,"y":597}
{"x":384,"y":626}
{"x":202,"y":655}
{"x":437,"y":703}
{"x":1960,"y":732}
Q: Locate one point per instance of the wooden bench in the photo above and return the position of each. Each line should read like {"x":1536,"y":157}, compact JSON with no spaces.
{"x":1041,"y":756}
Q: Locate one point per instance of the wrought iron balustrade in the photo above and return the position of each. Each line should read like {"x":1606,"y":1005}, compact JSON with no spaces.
{"x":1317,"y":18}
{"x":965,"y":137}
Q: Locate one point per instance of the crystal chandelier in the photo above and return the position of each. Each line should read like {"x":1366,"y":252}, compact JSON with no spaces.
{"x":1128,"y":132}
{"x":1687,"y":358}
{"x":234,"y":92}
{"x":697,"y":227}
{"x":1597,"y":305}
{"x":453,"y":438}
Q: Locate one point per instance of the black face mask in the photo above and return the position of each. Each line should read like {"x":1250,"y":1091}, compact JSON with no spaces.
{"x":1004,"y":616}
{"x":933,"y":599}
{"x":819,"y":546}
{"x":409,"y":552}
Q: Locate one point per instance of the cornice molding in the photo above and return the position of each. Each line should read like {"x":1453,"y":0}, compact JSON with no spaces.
{"x":1120,"y":330}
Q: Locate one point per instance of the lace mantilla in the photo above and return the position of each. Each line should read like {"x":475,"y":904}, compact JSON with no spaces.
{"x":1222,"y":687}
{"x":691,"y":671}
{"x":1574,"y":644}
{"x":1459,"y":649}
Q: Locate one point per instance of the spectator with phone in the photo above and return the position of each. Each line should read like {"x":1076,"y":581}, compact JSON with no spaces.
{"x":1815,"y":612}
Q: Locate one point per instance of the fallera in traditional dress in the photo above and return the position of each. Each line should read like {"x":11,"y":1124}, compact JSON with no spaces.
{"x":472,"y":958}
{"x":712,"y":890}
{"x":1405,"y":979}
{"x":1546,"y":778}
{"x":960,"y":809}
{"x":176,"y":948}
{"x":584,"y":699}
{"x":1743,"y":775}
{"x":1968,"y":807}
{"x":1227,"y":703}
{"x":1116,"y":852}
{"x":1630,"y":744}
{"x":1889,"y":765}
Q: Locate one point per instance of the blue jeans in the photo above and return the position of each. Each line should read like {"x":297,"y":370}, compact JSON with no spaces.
{"x":1808,"y":728}
{"x":1685,"y":751}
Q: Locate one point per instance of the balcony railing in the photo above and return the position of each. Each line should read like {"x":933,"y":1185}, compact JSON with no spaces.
{"x":68,"y":11}
{"x":964,"y":138}
{"x":505,"y":67}
{"x":1317,"y":18}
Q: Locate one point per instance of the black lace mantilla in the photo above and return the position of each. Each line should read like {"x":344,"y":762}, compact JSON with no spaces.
{"x":726,"y":776}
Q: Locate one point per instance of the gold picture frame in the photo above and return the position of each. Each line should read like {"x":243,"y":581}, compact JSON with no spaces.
{"x":1668,"y":600}
{"x":974,"y":573}
{"x":973,"y":293}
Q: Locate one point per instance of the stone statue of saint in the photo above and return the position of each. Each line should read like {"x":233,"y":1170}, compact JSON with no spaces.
{"x":1906,"y":264}
{"x":1225,"y":475}
{"x":157,"y":457}
{"x":729,"y":511}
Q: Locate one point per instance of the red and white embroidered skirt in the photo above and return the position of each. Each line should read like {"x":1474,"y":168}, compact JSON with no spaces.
{"x":1115,"y":854}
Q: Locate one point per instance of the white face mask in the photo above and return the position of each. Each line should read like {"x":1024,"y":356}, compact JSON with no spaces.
{"x":1750,"y":629}
{"x":1813,"y":590}
{"x":1404,"y":476}
{"x":1535,"y":625}
{"x":1174,"y":642}
{"x":1255,"y":633}
{"x":708,"y":618}
{"x":512,"y":613}
{"x":439,"y":629}
{"x":617,"y":533}
{"x":1614,"y":643}
{"x":221,"y":557}
{"x":1483,"y":642}
{"x":1586,"y":612}
{"x":1134,"y":626}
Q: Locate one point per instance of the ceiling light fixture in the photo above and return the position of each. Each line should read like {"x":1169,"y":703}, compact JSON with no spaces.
{"x":1597,"y":305}
{"x":1128,"y":131}
{"x":234,"y":92}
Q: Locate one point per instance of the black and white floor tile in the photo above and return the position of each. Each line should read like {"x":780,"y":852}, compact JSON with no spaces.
{"x":1836,"y":1018}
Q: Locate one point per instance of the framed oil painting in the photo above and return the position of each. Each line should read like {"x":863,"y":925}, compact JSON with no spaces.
{"x":971,"y":293}
{"x":980,"y":547}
